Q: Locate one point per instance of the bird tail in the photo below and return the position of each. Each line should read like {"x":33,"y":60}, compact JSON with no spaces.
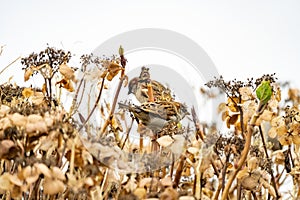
{"x":124,"y":106}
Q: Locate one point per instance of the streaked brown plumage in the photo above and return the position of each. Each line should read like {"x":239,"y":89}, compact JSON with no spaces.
{"x":138,"y":87}
{"x":156,"y":115}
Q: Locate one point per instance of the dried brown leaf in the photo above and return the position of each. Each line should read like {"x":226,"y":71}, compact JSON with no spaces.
{"x":28,"y":73}
{"x":67,"y":72}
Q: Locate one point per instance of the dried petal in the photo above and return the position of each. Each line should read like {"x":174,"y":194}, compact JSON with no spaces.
{"x":5,"y":183}
{"x":186,"y":198}
{"x":34,"y":118}
{"x":67,"y":72}
{"x":57,"y":173}
{"x":4,"y":110}
{"x":28,"y":73}
{"x":18,"y":119}
{"x":266,"y":115}
{"x":30,"y":174}
{"x":15,"y":180}
{"x":296,"y":139}
{"x":7,"y":149}
{"x":49,"y":121}
{"x":285,"y":140}
{"x":225,"y":114}
{"x":277,"y":121}
{"x":140,"y":193}
{"x":246,"y":93}
{"x":169,"y":194}
{"x":280,"y":157}
{"x":281,"y":130}
{"x":27,"y":92}
{"x":232,"y":119}
{"x":89,"y":181}
{"x":222,"y":107}
{"x":39,"y":126}
{"x":193,"y":150}
{"x":37,"y":98}
{"x":42,"y":168}
{"x":165,"y":141}
{"x":113,"y":70}
{"x":66,"y":84}
{"x":272,"y":132}
{"x":52,"y":187}
{"x":5,"y":123}
{"x":166,"y":181}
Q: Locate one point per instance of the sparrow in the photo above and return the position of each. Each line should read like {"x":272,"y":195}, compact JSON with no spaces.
{"x":155,"y":115}
{"x":139,"y":87}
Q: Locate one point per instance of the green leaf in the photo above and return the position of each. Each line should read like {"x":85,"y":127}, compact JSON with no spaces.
{"x":264,"y":92}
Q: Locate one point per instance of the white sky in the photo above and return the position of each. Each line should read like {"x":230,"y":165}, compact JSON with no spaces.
{"x":243,"y":38}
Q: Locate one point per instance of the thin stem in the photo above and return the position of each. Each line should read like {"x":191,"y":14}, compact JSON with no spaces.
{"x":127,"y":133}
{"x":291,"y":157}
{"x":50,"y":89}
{"x":172,"y":166}
{"x":95,"y":105}
{"x":46,"y":88}
{"x":214,"y":167}
{"x":198,"y":176}
{"x":108,"y":120}
{"x":179,"y":171}
{"x":268,"y":158}
{"x":141,"y":143}
{"x":241,"y":116}
{"x":242,"y":121}
{"x":5,"y":68}
{"x":72,"y":109}
{"x":239,"y":190}
{"x":216,"y":195}
{"x":224,"y":171}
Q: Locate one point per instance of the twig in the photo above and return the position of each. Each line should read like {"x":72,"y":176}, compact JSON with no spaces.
{"x":103,"y":182}
{"x":95,"y":105}
{"x":172,"y":166}
{"x":198,"y":178}
{"x":72,"y":159}
{"x":5,"y":68}
{"x":239,"y":190}
{"x":122,"y":78}
{"x":179,"y":171}
{"x":291,"y":157}
{"x":216,"y":195}
{"x":268,"y":158}
{"x":198,"y":131}
{"x":224,"y":171}
{"x":108,"y":120}
{"x":141,"y":143}
{"x":72,"y":108}
{"x":127,"y":133}
{"x":214,"y":167}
